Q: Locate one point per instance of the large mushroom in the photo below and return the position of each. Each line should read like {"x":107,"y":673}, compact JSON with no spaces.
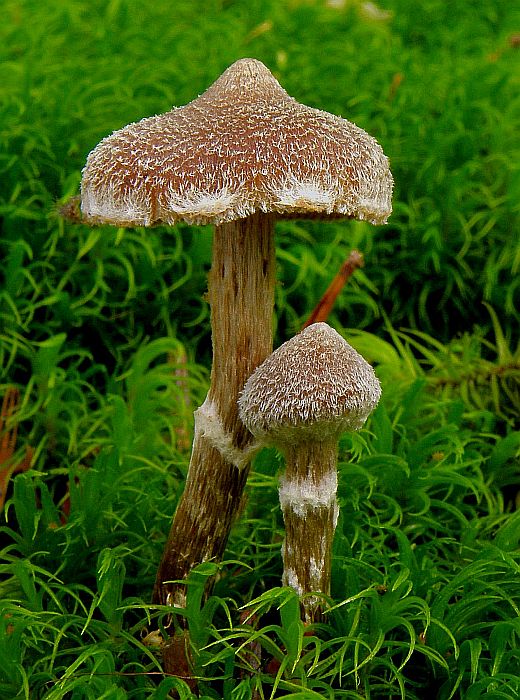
{"x":300,"y":399}
{"x":239,"y":156}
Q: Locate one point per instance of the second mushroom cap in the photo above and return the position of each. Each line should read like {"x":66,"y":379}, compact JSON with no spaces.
{"x":312,"y":387}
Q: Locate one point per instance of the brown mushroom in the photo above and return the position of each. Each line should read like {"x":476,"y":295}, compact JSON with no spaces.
{"x":238,"y":156}
{"x":300,"y":399}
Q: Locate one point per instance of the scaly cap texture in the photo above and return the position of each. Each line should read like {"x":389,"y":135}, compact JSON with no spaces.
{"x":313,"y":387}
{"x":243,"y":146}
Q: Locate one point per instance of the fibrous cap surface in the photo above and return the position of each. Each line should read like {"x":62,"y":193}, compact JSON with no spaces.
{"x":313,"y":387}
{"x":243,"y":146}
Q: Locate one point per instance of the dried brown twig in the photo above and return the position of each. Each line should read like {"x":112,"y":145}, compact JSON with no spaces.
{"x":8,"y":440}
{"x":324,"y":306}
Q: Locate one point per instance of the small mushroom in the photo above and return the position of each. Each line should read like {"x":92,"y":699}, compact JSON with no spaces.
{"x":239,"y":156}
{"x":300,"y":399}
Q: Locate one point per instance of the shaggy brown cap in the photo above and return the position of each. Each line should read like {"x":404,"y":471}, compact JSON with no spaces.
{"x":243,"y":146}
{"x":313,"y":387}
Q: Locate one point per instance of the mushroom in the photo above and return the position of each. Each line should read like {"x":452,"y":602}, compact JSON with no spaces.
{"x":300,"y":399}
{"x":239,"y":156}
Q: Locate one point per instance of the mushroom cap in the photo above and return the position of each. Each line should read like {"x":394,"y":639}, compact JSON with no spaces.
{"x":243,"y":146}
{"x":313,"y":387}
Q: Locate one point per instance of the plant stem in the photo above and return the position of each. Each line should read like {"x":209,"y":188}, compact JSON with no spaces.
{"x":310,"y":511}
{"x":241,"y":296}
{"x":324,"y":306}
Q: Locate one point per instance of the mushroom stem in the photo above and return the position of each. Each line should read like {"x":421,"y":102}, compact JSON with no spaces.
{"x":241,"y":296}
{"x":310,"y":511}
